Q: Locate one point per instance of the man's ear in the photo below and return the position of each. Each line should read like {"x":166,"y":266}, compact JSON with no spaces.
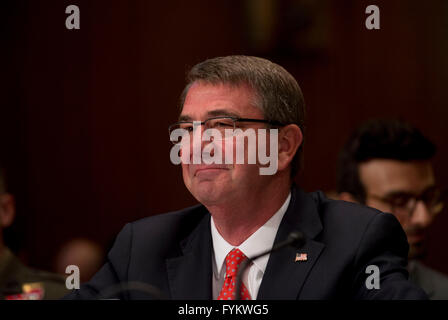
{"x":346,"y":196}
{"x":289,"y":140}
{"x":7,"y":210}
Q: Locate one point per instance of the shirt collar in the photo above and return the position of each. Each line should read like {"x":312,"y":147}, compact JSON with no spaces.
{"x":261,"y":240}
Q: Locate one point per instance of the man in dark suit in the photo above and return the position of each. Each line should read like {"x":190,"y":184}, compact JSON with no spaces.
{"x":350,"y":251}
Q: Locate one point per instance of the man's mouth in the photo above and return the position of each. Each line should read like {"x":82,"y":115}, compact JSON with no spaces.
{"x":415,"y":235}
{"x":208,"y":169}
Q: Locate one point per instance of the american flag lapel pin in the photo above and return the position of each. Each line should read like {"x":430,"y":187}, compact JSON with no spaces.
{"x":301,"y":257}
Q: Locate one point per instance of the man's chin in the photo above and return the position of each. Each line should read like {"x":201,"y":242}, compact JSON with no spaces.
{"x":417,"y":251}
{"x":207,"y":193}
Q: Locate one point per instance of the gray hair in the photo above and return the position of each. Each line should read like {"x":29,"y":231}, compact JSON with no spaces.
{"x":278,"y":94}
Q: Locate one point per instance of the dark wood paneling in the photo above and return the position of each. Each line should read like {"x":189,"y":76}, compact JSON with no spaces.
{"x":87,"y":111}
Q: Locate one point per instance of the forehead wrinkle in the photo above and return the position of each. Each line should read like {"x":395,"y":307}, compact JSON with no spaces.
{"x":222,"y":112}
{"x":211,"y":114}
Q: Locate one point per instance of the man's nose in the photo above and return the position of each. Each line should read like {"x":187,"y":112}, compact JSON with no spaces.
{"x":422,"y":215}
{"x":197,"y":144}
{"x":198,"y":134}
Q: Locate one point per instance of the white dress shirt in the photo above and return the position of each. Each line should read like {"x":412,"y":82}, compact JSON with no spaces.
{"x":261,"y":240}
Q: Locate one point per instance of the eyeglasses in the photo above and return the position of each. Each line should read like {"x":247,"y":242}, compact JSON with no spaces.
{"x":219,"y":123}
{"x":404,"y":203}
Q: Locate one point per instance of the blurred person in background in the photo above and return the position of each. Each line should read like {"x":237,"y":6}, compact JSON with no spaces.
{"x":386,"y":164}
{"x":17,"y":281}
{"x":86,"y":254}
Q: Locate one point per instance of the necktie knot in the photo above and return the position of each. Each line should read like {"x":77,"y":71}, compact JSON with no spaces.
{"x":233,"y":262}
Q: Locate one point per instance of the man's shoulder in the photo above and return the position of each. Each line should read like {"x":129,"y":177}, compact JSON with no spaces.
{"x":434,"y":274}
{"x":182,"y":218}
{"x":355,"y":237}
{"x":339,"y":211}
{"x":354,"y":222}
{"x":432,"y":281}
{"x":53,"y":284}
{"x":17,"y":276}
{"x":164,"y":230}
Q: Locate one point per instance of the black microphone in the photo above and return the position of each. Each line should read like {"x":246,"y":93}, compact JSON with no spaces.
{"x":295,"y":239}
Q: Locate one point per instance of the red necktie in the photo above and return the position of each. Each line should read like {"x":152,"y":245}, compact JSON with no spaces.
{"x":233,"y":261}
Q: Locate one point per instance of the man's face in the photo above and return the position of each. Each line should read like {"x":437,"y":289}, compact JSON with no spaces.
{"x":389,"y":183}
{"x":214,"y":184}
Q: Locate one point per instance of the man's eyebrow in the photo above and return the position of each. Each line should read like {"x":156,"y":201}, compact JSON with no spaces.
{"x":400,"y":193}
{"x":184,"y":118}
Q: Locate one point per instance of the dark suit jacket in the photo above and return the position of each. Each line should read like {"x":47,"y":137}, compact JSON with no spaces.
{"x":173,"y":252}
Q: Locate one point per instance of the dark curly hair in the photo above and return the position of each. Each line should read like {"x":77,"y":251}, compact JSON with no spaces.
{"x":379,"y":139}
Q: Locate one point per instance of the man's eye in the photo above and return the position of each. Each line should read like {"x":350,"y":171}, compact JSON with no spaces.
{"x":400,"y":201}
{"x":187,"y":127}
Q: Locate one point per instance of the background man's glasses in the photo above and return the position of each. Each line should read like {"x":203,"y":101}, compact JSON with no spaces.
{"x":404,"y":203}
{"x":218,"y":123}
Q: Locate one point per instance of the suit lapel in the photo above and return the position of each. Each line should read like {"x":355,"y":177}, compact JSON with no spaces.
{"x":284,"y":277}
{"x":190,"y":274}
